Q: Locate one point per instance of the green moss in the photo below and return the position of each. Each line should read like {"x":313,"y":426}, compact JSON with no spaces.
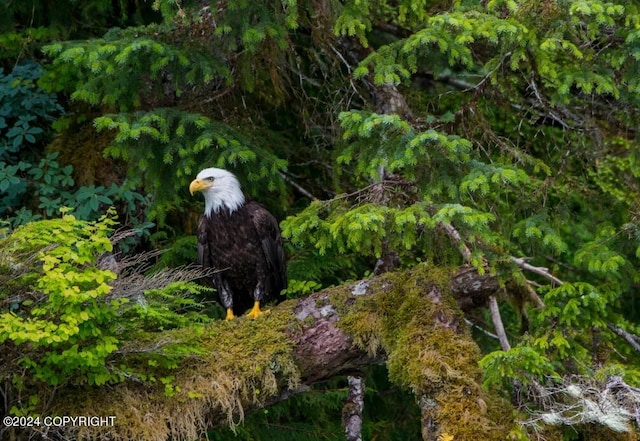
{"x":202,"y":389}
{"x":416,"y":321}
{"x":368,"y":327}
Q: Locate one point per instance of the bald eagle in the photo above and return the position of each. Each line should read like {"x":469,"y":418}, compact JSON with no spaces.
{"x":242,"y":239}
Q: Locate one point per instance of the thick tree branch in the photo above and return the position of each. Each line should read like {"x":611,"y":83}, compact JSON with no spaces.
{"x":408,"y":319}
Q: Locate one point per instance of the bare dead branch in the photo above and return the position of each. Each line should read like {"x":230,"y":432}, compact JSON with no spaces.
{"x":298,"y":187}
{"x":352,"y":409}
{"x":454,"y":235}
{"x":497,"y":323}
{"x":632,"y":339}
{"x":493,"y":302}
{"x":481,"y":329}
{"x":544,"y":272}
{"x":580,"y":400}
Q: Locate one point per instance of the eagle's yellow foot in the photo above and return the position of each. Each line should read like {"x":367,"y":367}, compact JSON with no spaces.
{"x":256,"y":312}
{"x":230,"y":315}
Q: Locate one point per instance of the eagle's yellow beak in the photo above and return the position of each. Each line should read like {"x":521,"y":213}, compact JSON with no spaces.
{"x":198,"y":185}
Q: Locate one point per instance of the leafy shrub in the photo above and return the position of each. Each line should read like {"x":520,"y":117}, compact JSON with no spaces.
{"x":26,"y":111}
{"x":64,"y":323}
{"x":61,"y":321}
{"x":34,"y":185}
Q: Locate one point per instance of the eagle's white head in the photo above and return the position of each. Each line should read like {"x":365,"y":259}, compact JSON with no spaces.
{"x":220,"y":188}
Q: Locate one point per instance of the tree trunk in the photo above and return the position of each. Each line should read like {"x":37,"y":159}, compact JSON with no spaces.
{"x":352,"y":410}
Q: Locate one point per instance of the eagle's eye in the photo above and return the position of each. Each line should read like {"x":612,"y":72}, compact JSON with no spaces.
{"x":210,"y":179}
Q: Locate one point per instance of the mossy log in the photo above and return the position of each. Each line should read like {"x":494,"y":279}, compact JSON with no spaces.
{"x":410,"y":320}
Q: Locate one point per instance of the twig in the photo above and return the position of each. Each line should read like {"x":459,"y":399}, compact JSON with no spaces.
{"x":481,"y":329}
{"x":533,"y":295}
{"x":467,"y":87}
{"x":455,"y":236}
{"x":298,"y":187}
{"x":633,"y":340}
{"x":337,"y":52}
{"x":552,"y":115}
{"x":544,"y":272}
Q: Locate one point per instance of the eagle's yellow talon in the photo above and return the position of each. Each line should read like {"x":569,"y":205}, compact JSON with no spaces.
{"x":256,"y":312}
{"x":230,"y":315}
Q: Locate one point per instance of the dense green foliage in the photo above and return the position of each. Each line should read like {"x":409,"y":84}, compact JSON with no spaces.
{"x":33,"y":184}
{"x":70,"y":322}
{"x":65,"y":325}
{"x":372,"y":128}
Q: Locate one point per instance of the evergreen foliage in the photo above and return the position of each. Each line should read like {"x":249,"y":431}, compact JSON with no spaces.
{"x":512,"y":135}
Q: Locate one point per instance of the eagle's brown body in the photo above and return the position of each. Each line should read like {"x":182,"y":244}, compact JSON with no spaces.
{"x":241,"y":240}
{"x":245,"y":245}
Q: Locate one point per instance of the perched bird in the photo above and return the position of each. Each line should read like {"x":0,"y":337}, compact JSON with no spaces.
{"x":241,"y":239}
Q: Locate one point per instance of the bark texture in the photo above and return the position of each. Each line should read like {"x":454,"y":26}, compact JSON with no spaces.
{"x":352,"y":410}
{"x":324,"y":350}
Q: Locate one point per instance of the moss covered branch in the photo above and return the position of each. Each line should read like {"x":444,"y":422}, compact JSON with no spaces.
{"x":410,"y":320}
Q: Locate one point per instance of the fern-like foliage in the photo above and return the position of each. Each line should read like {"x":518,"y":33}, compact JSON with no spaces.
{"x":169,"y":142}
{"x":127,"y":66}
